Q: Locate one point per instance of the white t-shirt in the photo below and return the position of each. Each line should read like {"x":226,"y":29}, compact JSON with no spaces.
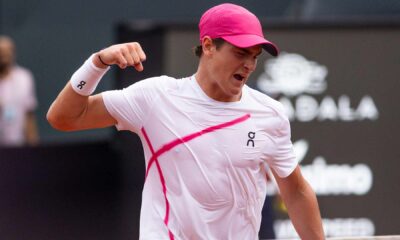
{"x":204,"y":159}
{"x":17,"y":97}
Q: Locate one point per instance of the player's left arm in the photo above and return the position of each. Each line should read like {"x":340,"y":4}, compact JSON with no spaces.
{"x":302,"y":205}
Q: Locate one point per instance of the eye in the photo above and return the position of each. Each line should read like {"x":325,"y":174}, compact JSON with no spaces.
{"x":240,"y":54}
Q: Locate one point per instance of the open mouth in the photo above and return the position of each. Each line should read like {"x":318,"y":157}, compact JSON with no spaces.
{"x":238,"y":77}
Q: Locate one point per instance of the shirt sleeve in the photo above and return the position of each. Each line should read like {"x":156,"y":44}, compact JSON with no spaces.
{"x":131,"y":105}
{"x":280,"y":156}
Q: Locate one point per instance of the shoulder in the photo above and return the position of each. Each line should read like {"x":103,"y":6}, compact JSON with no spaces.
{"x":22,"y":72}
{"x":157,"y":83}
{"x":149,"y":88}
{"x":265,"y":101}
{"x":22,"y":78}
{"x":268,"y":108}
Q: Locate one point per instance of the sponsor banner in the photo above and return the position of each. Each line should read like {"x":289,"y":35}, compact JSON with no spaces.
{"x":342,"y":105}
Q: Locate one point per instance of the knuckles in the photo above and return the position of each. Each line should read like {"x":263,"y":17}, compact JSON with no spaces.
{"x":116,"y":54}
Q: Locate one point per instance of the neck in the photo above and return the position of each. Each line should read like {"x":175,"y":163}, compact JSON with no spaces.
{"x":211,"y":88}
{"x":4,"y":72}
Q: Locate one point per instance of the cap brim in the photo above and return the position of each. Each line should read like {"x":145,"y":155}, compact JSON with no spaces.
{"x":245,"y":41}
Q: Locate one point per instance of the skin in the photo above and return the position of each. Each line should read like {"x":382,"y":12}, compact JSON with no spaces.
{"x":7,"y":60}
{"x":302,"y":205}
{"x":7,"y":56}
{"x":217,"y":75}
{"x":218,"y":67}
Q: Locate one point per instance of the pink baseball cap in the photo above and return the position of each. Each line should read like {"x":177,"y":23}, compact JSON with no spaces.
{"x":236,"y":25}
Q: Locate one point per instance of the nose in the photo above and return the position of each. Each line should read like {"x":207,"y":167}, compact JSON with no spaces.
{"x":250,"y":64}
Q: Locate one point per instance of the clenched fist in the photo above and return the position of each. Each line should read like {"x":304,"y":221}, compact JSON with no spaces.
{"x":123,"y":55}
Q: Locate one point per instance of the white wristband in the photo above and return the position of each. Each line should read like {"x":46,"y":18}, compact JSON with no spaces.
{"x":85,"y":80}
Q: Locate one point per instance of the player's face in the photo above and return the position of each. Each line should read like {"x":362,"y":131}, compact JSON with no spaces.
{"x":231,"y":67}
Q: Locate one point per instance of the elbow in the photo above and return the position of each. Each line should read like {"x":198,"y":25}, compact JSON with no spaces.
{"x":58,"y":122}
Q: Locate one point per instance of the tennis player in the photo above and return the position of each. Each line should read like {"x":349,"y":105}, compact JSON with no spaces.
{"x":205,"y":136}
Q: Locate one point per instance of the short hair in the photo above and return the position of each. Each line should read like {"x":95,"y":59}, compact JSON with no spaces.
{"x":198,"y":50}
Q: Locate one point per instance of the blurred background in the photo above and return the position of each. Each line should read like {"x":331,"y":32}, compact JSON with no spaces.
{"x":337,"y":76}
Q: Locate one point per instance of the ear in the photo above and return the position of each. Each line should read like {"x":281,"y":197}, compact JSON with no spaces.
{"x":208,"y":46}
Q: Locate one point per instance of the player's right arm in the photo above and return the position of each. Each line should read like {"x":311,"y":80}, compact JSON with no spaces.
{"x":72,"y":111}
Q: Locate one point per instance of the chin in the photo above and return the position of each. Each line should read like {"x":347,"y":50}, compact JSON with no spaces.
{"x":236,"y":94}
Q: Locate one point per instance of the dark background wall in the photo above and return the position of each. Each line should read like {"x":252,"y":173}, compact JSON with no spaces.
{"x":70,"y":191}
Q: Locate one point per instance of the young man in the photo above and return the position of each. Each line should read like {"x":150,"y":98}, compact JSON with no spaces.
{"x":205,"y":137}
{"x":17,"y":99}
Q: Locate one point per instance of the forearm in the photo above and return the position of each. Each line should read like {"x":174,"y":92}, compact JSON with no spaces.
{"x":67,"y":108}
{"x":302,"y":205}
{"x":304,"y":212}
